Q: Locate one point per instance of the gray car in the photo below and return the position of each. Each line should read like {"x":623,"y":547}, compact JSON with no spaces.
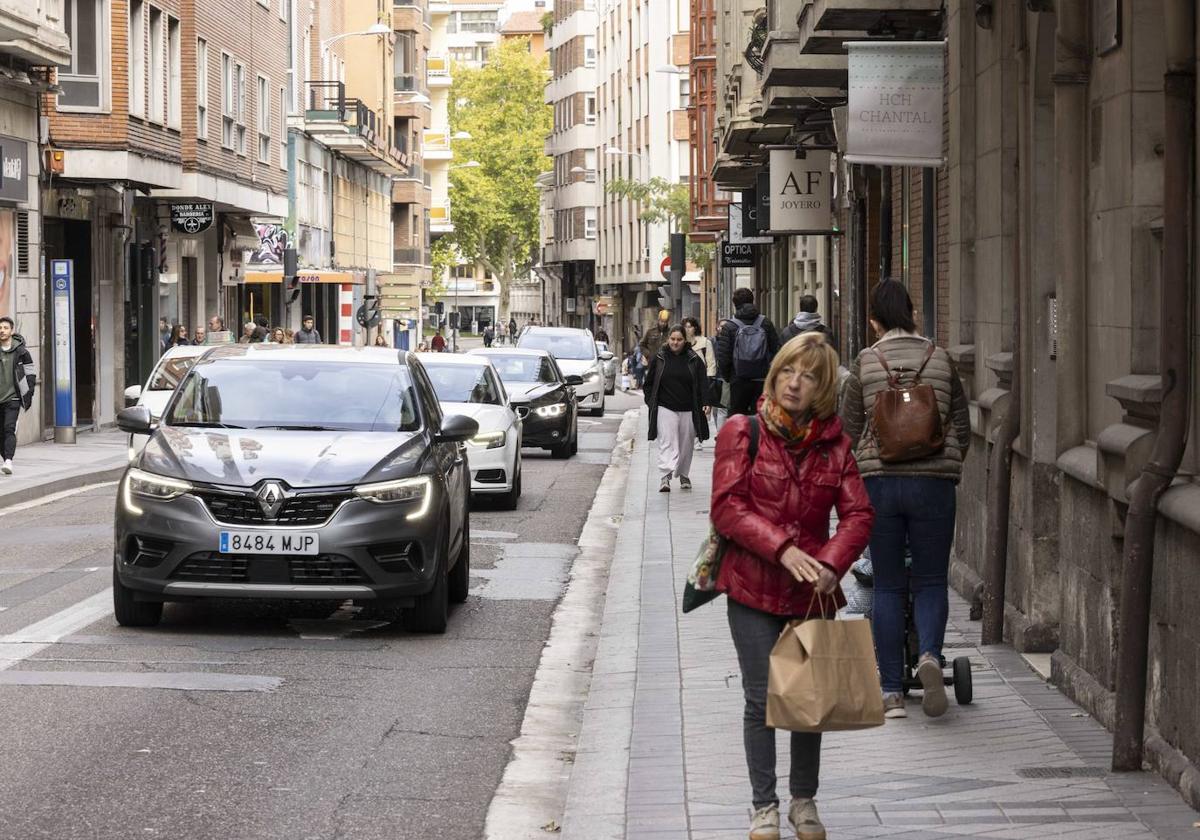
{"x":297,"y":472}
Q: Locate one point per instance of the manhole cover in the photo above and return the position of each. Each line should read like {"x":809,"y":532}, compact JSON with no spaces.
{"x":1061,"y":772}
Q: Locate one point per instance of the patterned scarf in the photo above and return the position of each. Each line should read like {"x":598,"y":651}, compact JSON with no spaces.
{"x":797,"y":435}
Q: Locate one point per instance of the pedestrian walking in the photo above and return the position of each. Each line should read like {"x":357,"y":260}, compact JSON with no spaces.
{"x":164,"y":333}
{"x":216,"y":324}
{"x":380,"y":341}
{"x":279,"y":336}
{"x":178,"y":337}
{"x":199,"y":337}
{"x":422,"y":347}
{"x":602,"y":335}
{"x":655,"y":337}
{"x":489,"y":336}
{"x":17,"y":382}
{"x":512,"y":330}
{"x":676,"y":392}
{"x":247,"y":333}
{"x":708,"y":354}
{"x":806,"y":320}
{"x":438,"y":343}
{"x":307,"y":334}
{"x":745,"y":347}
{"x":776,"y":478}
{"x":914,"y":498}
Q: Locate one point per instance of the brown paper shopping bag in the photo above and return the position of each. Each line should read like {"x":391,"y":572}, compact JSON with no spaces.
{"x":823,"y":678}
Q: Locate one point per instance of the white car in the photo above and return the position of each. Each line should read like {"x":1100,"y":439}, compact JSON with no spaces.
{"x":468,"y":385}
{"x":609,"y":363}
{"x":575,"y":351}
{"x":174,"y":363}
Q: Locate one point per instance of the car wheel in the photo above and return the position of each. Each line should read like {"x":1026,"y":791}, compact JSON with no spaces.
{"x":609,"y":390}
{"x":575,"y":440}
{"x":598,"y":411}
{"x":460,"y":575}
{"x":132,"y":613}
{"x":431,"y":612}
{"x":509,"y":500}
{"x":562,"y":450}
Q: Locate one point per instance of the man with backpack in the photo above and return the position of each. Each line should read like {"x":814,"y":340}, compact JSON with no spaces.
{"x":746,"y":344}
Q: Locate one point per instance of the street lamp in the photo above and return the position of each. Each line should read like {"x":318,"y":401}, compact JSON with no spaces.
{"x":415,"y":97}
{"x":471,"y":164}
{"x":376,"y":29}
{"x":461,"y":135}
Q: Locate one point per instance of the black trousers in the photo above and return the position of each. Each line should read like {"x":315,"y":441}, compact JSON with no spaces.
{"x":743,"y":395}
{"x":9,"y":412}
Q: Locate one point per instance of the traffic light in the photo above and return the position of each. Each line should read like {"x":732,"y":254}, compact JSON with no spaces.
{"x":664,"y":296}
{"x":291,"y":271}
{"x":453,"y":320}
{"x":440,"y":307}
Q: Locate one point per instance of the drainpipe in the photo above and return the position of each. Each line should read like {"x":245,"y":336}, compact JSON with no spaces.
{"x":1070,"y":187}
{"x":885,"y":223}
{"x":1000,"y":467}
{"x":1179,"y":92}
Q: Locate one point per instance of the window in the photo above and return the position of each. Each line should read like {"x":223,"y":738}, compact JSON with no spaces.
{"x":477,"y":21}
{"x":589,"y":223}
{"x":174,"y":79}
{"x":264,"y":120}
{"x":240,"y":92}
{"x":137,"y":58}
{"x":82,"y":77}
{"x":589,"y":108}
{"x":589,"y":50}
{"x":285,"y":12}
{"x":201,"y":89}
{"x":158,"y":67}
{"x":685,"y":92}
{"x":283,"y":131}
{"x":228,"y":101}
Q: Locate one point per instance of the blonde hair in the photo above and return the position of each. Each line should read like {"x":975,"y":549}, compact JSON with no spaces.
{"x":809,"y":352}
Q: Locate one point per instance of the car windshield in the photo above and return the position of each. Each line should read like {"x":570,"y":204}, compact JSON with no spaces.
{"x":524,"y":368}
{"x":306,"y":395}
{"x":464,"y":384}
{"x":574,"y":346}
{"x":170,"y":373}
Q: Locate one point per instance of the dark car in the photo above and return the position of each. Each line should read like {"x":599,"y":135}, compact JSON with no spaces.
{"x":297,"y":472}
{"x":543,"y":398}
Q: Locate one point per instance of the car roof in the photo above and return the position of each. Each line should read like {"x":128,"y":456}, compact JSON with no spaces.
{"x":185,"y":350}
{"x":559,"y":330}
{"x":507,"y":351}
{"x":307,"y":352}
{"x":440,"y":359}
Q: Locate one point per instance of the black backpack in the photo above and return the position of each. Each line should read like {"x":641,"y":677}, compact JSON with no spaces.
{"x":751,"y":357}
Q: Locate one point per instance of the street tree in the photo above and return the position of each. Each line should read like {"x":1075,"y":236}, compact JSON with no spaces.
{"x":495,"y":205}
{"x":662,"y":201}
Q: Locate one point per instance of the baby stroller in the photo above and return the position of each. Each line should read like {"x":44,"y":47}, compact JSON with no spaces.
{"x":960,"y":667}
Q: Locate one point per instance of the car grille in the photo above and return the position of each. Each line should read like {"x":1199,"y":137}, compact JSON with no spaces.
{"x":239,"y":509}
{"x":212,"y":567}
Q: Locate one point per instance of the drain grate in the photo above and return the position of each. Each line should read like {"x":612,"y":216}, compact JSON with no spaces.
{"x":1061,"y":772}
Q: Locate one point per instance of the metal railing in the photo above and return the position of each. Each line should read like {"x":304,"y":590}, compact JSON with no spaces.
{"x":410,"y":256}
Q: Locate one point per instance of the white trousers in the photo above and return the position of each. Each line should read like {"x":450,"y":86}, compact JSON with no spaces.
{"x":676,"y":442}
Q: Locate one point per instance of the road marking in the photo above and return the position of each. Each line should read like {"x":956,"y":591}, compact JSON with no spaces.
{"x":61,"y":570}
{"x":40,"y":635}
{"x":181,"y":681}
{"x":493,"y":535}
{"x":55,"y":497}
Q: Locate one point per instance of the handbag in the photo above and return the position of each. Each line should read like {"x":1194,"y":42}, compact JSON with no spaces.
{"x":822,"y":677}
{"x":701,"y":586}
{"x":906,"y":419}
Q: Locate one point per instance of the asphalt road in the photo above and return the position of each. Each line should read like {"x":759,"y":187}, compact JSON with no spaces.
{"x":236,"y":720}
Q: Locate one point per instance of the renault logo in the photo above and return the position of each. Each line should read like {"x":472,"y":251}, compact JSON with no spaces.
{"x":270,"y":499}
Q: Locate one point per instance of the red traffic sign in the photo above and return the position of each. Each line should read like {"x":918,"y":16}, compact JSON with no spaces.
{"x":664,"y":268}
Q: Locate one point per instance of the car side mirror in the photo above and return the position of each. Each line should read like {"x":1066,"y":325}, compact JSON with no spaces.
{"x":573,"y":379}
{"x":456,"y":429}
{"x":135,"y":420}
{"x":606,"y":356}
{"x":132,"y":394}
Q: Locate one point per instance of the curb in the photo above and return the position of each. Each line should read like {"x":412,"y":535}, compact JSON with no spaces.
{"x":531,"y":798}
{"x":59,"y":485}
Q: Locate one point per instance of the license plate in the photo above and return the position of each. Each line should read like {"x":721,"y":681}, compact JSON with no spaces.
{"x":268,"y":542}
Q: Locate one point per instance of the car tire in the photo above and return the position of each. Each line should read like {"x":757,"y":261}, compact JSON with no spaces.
{"x":431,"y":612}
{"x":561,"y":451}
{"x":130,"y":612}
{"x":575,"y":440}
{"x":610,"y":390}
{"x":459,"y":582}
{"x":509,"y":500}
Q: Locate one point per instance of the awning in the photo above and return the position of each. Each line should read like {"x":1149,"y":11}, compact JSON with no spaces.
{"x":305,"y":275}
{"x":245,"y":236}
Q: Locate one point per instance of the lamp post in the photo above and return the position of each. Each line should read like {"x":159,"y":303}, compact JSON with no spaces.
{"x":376,"y":29}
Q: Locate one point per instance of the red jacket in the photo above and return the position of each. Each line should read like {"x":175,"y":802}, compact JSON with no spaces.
{"x":785,"y":500}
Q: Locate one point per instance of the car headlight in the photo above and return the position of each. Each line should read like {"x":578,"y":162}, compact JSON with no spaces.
{"x":419,"y":489}
{"x":490,"y":440}
{"x":554,"y":410}
{"x":150,"y":486}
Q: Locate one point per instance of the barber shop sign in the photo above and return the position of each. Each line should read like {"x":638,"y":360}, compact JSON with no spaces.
{"x":801,"y":192}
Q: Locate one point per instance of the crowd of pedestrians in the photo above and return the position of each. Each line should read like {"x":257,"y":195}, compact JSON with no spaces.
{"x":258,"y":330}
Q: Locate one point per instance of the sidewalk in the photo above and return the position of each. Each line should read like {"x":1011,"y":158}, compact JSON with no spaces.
{"x":41,"y":469}
{"x":660,"y":750}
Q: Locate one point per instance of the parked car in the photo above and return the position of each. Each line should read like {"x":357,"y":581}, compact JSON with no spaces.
{"x":470,"y":386}
{"x":608,"y":363}
{"x":543,"y":397}
{"x":575,"y":352}
{"x":172,"y":366}
{"x":296,"y":471}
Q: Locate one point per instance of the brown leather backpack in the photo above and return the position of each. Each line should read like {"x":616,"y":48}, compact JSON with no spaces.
{"x":906,"y":418}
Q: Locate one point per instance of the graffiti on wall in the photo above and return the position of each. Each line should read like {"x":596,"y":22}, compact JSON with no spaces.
{"x":272,"y":239}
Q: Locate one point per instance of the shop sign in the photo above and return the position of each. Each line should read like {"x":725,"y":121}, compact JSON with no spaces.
{"x":14,"y":153}
{"x":738,"y":255}
{"x":191,"y":218}
{"x":737,"y":234}
{"x":895,"y":103}
{"x":801,"y":188}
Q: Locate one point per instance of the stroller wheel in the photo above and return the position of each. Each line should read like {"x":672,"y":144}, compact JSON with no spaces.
{"x":963,"y":690}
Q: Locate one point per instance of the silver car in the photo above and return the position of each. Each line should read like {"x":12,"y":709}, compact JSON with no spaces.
{"x":286,"y":472}
{"x":608,"y":363}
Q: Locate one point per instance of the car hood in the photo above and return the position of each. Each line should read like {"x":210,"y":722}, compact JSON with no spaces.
{"x":243,"y":457}
{"x":491,"y":418}
{"x":576,"y":367}
{"x":528,"y":391}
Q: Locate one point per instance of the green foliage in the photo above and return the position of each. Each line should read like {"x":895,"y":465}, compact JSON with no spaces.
{"x":495,"y":207}
{"x":443,"y":257}
{"x":664,"y":201}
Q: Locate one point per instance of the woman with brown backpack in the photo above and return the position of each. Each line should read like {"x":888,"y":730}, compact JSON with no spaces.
{"x":906,"y":414}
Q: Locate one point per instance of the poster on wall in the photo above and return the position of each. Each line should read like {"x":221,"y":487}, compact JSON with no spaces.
{"x":801,"y":192}
{"x":8,"y":261}
{"x":895,"y":103}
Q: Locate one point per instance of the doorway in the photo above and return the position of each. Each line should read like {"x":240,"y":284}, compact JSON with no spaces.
{"x":72,"y":240}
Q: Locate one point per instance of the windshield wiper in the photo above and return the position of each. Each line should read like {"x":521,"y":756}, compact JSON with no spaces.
{"x":300,"y":428}
{"x":207,"y":424}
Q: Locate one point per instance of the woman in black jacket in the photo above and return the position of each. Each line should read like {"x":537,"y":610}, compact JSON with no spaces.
{"x":676,"y":390}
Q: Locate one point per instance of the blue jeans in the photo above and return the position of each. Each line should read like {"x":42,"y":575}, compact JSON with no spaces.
{"x":917,"y":514}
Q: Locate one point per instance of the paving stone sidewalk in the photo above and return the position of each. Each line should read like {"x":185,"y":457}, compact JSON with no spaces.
{"x":660,"y":748}
{"x":41,"y":469}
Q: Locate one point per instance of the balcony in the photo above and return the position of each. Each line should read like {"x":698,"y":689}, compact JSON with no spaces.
{"x":825,"y":25}
{"x":436,"y":144}
{"x":34,"y":31}
{"x":439,"y":219}
{"x":350,"y":128}
{"x":411,"y":191}
{"x":410,"y":256}
{"x":437,"y":71}
{"x":407,"y":17}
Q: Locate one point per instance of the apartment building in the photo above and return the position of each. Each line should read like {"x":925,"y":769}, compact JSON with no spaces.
{"x":33,"y":38}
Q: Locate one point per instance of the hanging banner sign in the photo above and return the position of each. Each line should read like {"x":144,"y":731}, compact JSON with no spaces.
{"x":737,"y":235}
{"x":801,"y":192}
{"x":191,"y":218}
{"x":737,"y":255}
{"x":895,"y":103}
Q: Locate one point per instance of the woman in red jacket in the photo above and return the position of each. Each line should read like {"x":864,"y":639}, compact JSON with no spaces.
{"x":774,"y":509}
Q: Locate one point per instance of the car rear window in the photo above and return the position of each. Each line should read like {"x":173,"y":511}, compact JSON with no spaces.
{"x":464,"y":383}
{"x":573,"y":346}
{"x":517,"y":368}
